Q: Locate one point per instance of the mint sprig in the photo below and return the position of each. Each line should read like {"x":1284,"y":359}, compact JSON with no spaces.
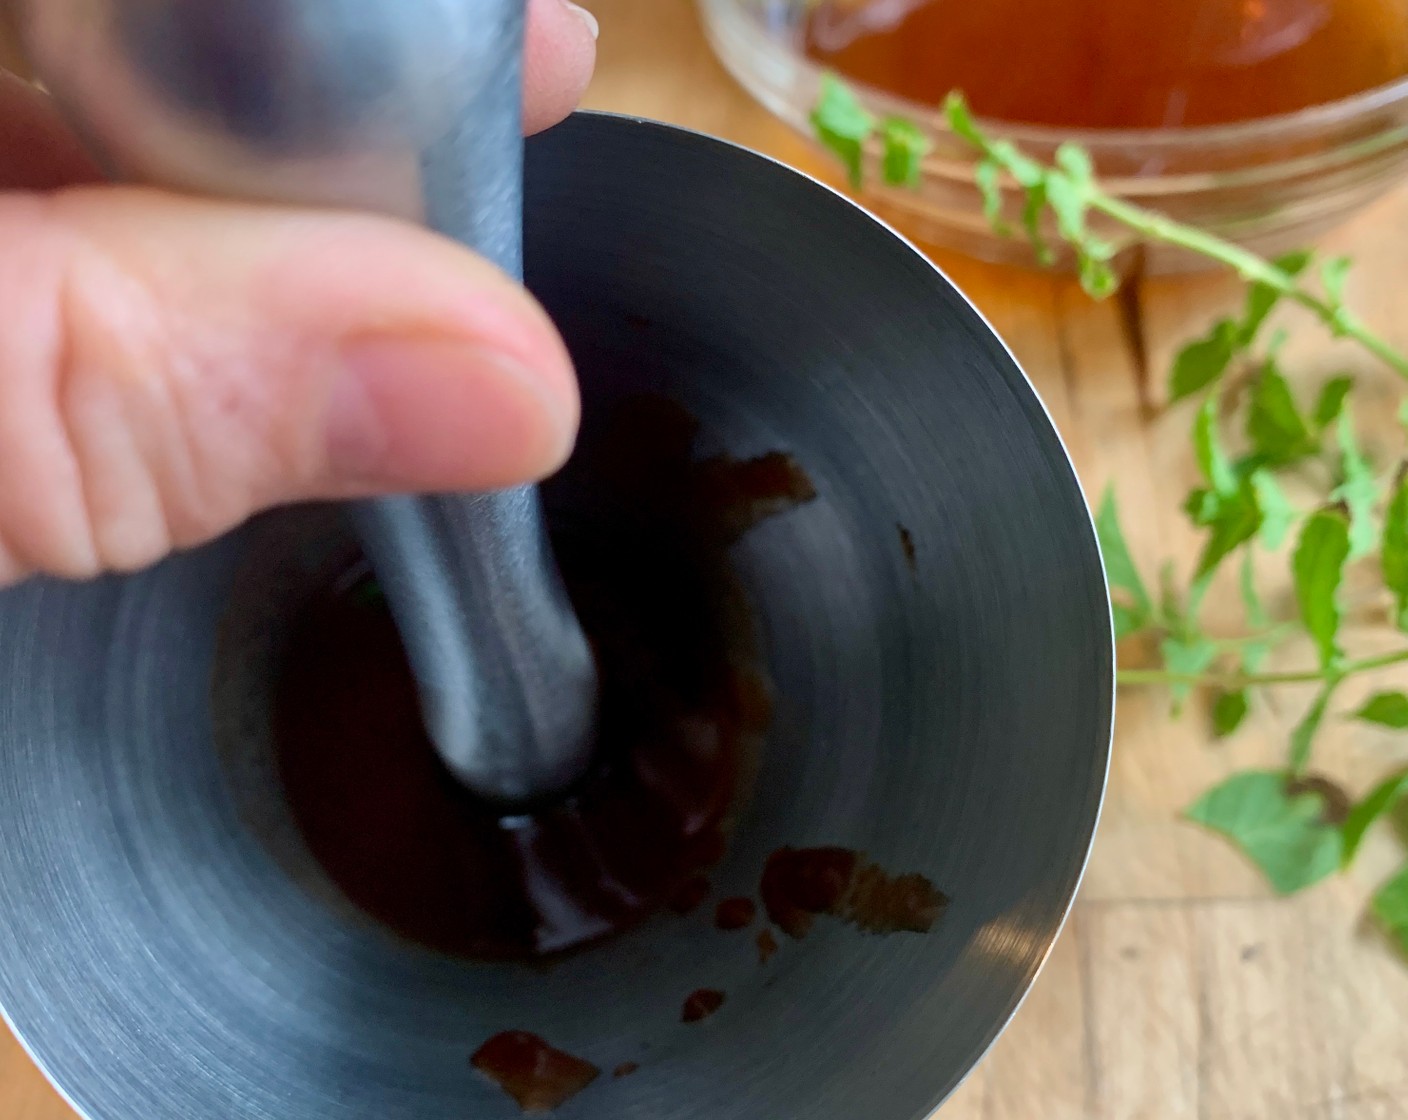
{"x":1255,"y":444}
{"x":1070,"y":192}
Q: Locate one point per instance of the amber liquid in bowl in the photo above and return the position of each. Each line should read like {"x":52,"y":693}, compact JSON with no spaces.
{"x":1116,"y":63}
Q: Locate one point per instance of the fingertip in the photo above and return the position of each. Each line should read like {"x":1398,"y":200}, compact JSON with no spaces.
{"x":410,"y":414}
{"x":593,"y":24}
{"x":560,"y":61}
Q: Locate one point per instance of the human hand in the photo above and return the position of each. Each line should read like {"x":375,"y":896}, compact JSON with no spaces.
{"x":169,"y":365}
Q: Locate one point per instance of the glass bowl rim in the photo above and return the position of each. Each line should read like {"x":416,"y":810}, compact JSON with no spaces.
{"x":1315,"y":119}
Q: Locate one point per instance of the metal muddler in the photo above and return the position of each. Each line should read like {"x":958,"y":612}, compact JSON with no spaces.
{"x":412,"y":108}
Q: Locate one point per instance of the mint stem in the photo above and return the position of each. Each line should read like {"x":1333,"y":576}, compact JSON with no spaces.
{"x":1235,"y":681}
{"x":1250,"y":267}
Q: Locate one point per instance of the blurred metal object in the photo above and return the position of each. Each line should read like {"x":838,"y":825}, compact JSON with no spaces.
{"x":169,"y":952}
{"x":411,"y":108}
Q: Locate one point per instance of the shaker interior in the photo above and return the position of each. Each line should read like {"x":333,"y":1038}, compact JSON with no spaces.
{"x":171,"y":950}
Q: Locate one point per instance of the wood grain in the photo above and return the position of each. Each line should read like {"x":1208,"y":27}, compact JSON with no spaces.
{"x":1180,"y":990}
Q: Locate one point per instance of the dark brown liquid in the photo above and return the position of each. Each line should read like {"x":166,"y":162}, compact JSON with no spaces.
{"x":539,"y":1077}
{"x":701,"y":1004}
{"x":683,"y":705}
{"x":1117,"y":63}
{"x":911,"y":554}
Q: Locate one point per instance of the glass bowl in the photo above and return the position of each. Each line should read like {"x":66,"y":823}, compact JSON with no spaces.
{"x":1270,"y":184}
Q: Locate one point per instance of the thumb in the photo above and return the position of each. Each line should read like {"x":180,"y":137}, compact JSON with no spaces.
{"x":170,"y":366}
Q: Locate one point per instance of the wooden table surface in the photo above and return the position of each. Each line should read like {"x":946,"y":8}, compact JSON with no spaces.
{"x":1180,"y":988}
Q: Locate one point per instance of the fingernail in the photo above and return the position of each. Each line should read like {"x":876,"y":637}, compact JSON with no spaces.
{"x":440,"y":414}
{"x":593,"y":24}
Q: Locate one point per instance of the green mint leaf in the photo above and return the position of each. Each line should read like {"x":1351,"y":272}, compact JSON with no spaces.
{"x":1170,"y":602}
{"x":1201,"y":506}
{"x":1387,"y":708}
{"x":1403,"y":414}
{"x":1024,"y":169}
{"x":1284,"y":834}
{"x":1277,"y":513}
{"x":1390,"y":906}
{"x":1032,"y":210}
{"x":906,"y":145}
{"x":1262,"y":298}
{"x":1235,"y":521}
{"x":1228,"y":712}
{"x":1120,"y":569}
{"x":960,"y":119}
{"x":1331,"y":401}
{"x":1196,"y":592}
{"x":1067,"y":202}
{"x":1394,"y":557}
{"x":1295,"y":262}
{"x":1075,"y":161}
{"x":1251,"y":601}
{"x":1207,"y":448}
{"x":988,"y":176}
{"x":1356,"y":826}
{"x":1190,"y":657}
{"x":1097,"y":277}
{"x":1318,"y":566}
{"x":1127,"y":620}
{"x":1097,"y":248}
{"x":1203,"y":361}
{"x":844,"y":125}
{"x":1303,"y":735}
{"x":1230,"y":509}
{"x":1276,"y":429}
{"x":1359,"y":490}
{"x":1334,"y":273}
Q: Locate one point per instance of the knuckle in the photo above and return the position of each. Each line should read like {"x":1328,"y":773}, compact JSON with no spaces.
{"x":42,"y":514}
{"x":80,"y":494}
{"x":113,"y":406}
{"x":138,"y":412}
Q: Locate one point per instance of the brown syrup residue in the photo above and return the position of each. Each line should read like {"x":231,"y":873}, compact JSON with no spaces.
{"x":911,"y":554}
{"x":883,"y":903}
{"x":538,"y":1076}
{"x":735,"y":914}
{"x":767,"y":946}
{"x":625,"y":1069}
{"x":701,"y":1004}
{"x":684,"y":707}
{"x":800,"y":883}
